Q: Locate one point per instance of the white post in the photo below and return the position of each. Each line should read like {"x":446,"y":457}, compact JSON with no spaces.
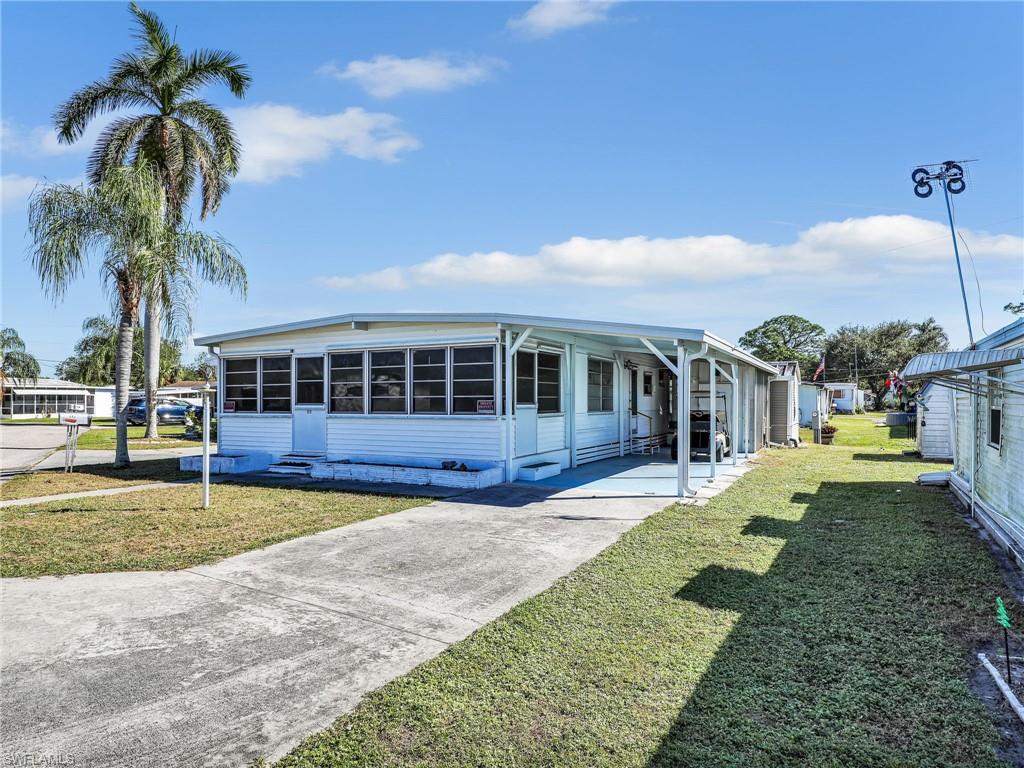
{"x":713,"y":415}
{"x":206,"y":448}
{"x":734,"y":449}
{"x":682,"y":422}
{"x":507,"y":402}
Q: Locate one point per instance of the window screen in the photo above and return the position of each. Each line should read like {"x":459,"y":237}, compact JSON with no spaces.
{"x":600,"y":378}
{"x":309,"y":381}
{"x":526,"y":378}
{"x":347,"y":382}
{"x":549,"y":383}
{"x":995,"y":411}
{"x":277,"y":384}
{"x":473,"y":380}
{"x":240,"y":387}
{"x":387,"y":381}
{"x":429,"y":380}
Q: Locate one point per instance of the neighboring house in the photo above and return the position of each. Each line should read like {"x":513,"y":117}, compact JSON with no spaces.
{"x":987,"y":385}
{"x":28,"y":398}
{"x":784,"y":403}
{"x":813,"y":397}
{"x":422,"y":389}
{"x":934,"y":428}
{"x":190,"y":391}
{"x":845,"y":396}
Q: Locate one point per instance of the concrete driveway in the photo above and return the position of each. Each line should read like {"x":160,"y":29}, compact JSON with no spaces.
{"x":23,"y":445}
{"x":218,"y":664}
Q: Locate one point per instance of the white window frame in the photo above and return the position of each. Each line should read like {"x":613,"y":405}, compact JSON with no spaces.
{"x":610,"y":362}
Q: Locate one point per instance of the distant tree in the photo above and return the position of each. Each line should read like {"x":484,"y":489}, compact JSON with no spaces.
{"x":203,"y":368}
{"x":93,"y":362}
{"x":183,"y":137}
{"x":869,"y":353}
{"x":15,"y":362}
{"x":1015,"y":307}
{"x":787,"y":337}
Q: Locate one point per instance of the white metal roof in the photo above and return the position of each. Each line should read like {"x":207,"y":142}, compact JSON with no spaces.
{"x":597,"y":327}
{"x":937,"y":364}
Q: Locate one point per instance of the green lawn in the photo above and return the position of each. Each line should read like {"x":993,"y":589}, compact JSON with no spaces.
{"x":105,"y":438}
{"x":167,"y":529}
{"x":91,"y":477}
{"x":820,"y":612}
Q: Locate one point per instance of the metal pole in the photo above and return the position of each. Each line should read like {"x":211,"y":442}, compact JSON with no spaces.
{"x":713,"y":416}
{"x":206,"y":449}
{"x":959,"y":271}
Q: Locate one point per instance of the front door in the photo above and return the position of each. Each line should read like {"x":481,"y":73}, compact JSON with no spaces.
{"x":309,"y":412}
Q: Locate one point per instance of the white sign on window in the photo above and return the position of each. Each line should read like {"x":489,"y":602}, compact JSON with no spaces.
{"x":485,"y":406}
{"x":229,"y":406}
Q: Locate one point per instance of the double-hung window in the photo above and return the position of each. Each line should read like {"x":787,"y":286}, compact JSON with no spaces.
{"x":347,"y":382}
{"x":387,"y":381}
{"x":600,"y":385}
{"x":276,"y":395}
{"x":430,"y":380}
{"x":549,"y":383}
{"x":473,"y":380}
{"x":241,"y":386}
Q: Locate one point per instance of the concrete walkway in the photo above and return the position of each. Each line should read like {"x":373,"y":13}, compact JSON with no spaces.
{"x":215,"y":665}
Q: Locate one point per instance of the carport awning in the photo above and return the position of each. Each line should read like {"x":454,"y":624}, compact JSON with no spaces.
{"x":28,"y":392}
{"x":942,"y":364}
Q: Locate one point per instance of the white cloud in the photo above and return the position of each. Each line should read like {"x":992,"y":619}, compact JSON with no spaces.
{"x":15,"y":189}
{"x":874,"y":245}
{"x":387,"y":76}
{"x":278,"y":140}
{"x":41,"y":141}
{"x":550,"y":16}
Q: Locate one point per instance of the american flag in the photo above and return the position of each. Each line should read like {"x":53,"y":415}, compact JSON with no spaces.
{"x":819,"y":370}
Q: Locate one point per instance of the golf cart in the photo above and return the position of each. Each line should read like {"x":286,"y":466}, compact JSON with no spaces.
{"x":700,"y":434}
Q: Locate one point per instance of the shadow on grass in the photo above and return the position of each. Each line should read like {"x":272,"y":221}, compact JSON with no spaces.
{"x":890,"y":456}
{"x":848,"y":650}
{"x":157,"y":470}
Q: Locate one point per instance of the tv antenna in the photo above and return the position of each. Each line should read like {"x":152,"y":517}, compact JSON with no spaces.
{"x":950,"y":176}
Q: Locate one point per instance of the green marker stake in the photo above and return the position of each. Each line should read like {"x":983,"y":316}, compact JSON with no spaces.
{"x":1004,"y":621}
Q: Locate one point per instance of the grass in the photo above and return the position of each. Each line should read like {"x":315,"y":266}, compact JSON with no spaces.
{"x":820,"y":612}
{"x":104,"y":438}
{"x":51,"y":420}
{"x":167,"y":529}
{"x":91,"y":477}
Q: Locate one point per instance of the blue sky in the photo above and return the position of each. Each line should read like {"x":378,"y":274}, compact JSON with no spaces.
{"x":705,"y":165}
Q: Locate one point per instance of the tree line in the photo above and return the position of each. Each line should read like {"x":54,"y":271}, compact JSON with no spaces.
{"x":865,"y":353}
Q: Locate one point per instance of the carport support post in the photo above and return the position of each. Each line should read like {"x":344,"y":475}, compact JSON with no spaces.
{"x":507,"y":405}
{"x":206,"y":447}
{"x":683,"y":421}
{"x":713,"y":414}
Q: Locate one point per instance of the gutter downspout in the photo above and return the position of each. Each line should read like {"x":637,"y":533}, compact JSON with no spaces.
{"x":507,"y":405}
{"x":974,"y":442}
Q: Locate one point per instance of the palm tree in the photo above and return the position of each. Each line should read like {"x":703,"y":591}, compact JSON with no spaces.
{"x":15,"y":362}
{"x":181,"y":135}
{"x":121,"y":218}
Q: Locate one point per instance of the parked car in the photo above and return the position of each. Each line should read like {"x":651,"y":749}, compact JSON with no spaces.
{"x":168,"y":410}
{"x":700,"y":431}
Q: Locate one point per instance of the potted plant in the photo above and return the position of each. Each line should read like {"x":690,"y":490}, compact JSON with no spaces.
{"x":828,"y":431}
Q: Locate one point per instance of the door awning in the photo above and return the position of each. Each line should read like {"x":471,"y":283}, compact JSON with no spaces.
{"x":933,"y":365}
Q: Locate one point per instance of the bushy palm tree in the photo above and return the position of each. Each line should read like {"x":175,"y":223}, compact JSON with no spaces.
{"x":120,"y":221}
{"x":95,"y":355}
{"x":182,"y":136}
{"x":15,"y":362}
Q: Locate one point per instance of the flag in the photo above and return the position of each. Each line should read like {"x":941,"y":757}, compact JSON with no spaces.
{"x":819,"y":370}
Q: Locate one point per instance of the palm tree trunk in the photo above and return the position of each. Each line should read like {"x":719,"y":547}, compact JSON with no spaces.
{"x":122,"y":385}
{"x":151,"y":346}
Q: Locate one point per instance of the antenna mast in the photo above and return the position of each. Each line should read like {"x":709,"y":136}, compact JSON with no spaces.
{"x":950,"y":175}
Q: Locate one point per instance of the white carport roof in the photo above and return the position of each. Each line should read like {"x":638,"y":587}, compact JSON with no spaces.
{"x":596,"y":327}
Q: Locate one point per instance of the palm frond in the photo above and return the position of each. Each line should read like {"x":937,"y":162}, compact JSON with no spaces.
{"x":98,"y":98}
{"x":114,"y":144}
{"x":152,"y":32}
{"x":214,"y":126}
{"x":205,"y":67}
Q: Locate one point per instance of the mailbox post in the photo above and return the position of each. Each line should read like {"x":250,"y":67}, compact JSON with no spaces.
{"x":206,"y":446}
{"x":73,"y":421}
